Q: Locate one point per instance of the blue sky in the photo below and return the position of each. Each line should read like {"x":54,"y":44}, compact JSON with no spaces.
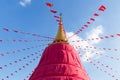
{"x":34,"y":17}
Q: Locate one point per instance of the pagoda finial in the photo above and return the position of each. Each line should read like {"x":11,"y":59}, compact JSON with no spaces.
{"x":61,"y":35}
{"x":60,"y":19}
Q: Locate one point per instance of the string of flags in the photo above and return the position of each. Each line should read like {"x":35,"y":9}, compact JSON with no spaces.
{"x":19,"y":50}
{"x":105,"y":71}
{"x":102,"y":8}
{"x":19,"y":60}
{"x":21,"y":68}
{"x":27,"y":77}
{"x":100,"y":54}
{"x":96,"y":48}
{"x":104,"y":65}
{"x":8,"y":40}
{"x":99,"y":38}
{"x":26,"y":33}
{"x":54,"y":12}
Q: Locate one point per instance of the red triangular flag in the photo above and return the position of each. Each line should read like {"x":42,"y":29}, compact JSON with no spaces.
{"x":88,"y":22}
{"x":86,"y":25}
{"x":56,"y":17}
{"x":53,"y":11}
{"x":106,"y":37}
{"x":80,"y":29}
{"x":58,"y":20}
{"x":111,"y":35}
{"x":49,"y":4}
{"x":118,"y":34}
{"x":22,"y":32}
{"x":6,"y":29}
{"x":102,"y":8}
{"x":15,"y":31}
{"x":0,"y":40}
{"x":92,"y":19}
{"x":95,"y":14}
{"x":14,"y":40}
{"x":34,"y":34}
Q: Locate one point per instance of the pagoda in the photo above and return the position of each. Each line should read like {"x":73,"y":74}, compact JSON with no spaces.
{"x":60,"y":61}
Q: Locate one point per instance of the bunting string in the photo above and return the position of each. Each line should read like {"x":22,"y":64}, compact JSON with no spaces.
{"x":99,"y":38}
{"x":27,"y":77}
{"x":96,"y":48}
{"x":53,"y":11}
{"x":101,"y":64}
{"x":21,"y":68}
{"x":99,"y":68}
{"x":8,"y":40}
{"x":102,"y":8}
{"x":106,"y":66}
{"x":105,"y":55}
{"x":19,"y":60}
{"x":19,"y":50}
{"x":25,"y":33}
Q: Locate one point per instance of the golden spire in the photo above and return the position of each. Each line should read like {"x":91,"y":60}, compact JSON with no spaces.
{"x":61,"y":35}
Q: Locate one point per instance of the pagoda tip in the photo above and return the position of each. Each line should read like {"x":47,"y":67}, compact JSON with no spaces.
{"x":60,"y":19}
{"x":61,"y":35}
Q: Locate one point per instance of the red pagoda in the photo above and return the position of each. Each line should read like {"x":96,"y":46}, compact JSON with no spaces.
{"x":60,"y":61}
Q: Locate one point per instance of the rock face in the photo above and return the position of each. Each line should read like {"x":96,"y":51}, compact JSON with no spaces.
{"x":60,"y":62}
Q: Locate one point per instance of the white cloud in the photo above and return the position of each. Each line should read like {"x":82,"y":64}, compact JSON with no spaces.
{"x":90,"y":53}
{"x":95,"y":34}
{"x":24,"y":3}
